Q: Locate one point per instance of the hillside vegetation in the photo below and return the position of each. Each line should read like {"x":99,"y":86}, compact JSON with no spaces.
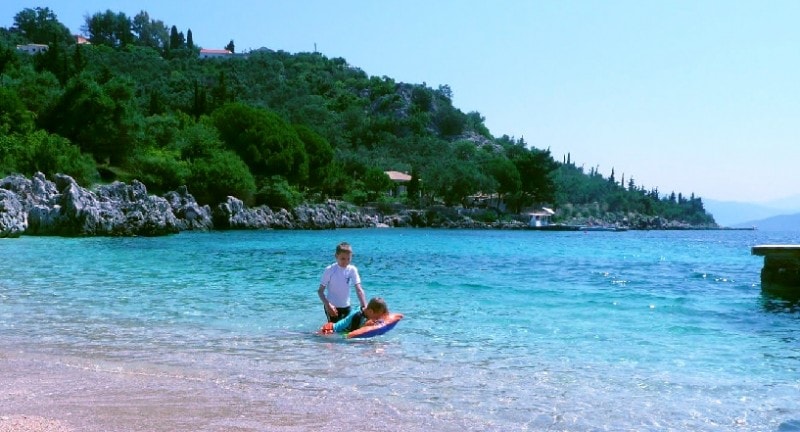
{"x":269,"y":127}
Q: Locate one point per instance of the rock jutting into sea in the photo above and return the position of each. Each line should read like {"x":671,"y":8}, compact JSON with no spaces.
{"x":38,"y":206}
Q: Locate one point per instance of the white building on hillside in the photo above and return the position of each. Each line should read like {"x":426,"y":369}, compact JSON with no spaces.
{"x":33,"y":48}
{"x":212,"y":53}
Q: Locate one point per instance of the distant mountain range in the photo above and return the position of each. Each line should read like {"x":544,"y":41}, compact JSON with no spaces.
{"x":777,"y":215}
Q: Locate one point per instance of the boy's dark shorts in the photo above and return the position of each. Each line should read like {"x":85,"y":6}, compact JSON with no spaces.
{"x":341,"y":313}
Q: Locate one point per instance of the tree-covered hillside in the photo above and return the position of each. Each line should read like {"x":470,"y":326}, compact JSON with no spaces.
{"x":266,"y":126}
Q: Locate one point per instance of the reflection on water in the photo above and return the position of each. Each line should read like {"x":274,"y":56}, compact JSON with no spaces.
{"x":781,"y":299}
{"x":789,"y":426}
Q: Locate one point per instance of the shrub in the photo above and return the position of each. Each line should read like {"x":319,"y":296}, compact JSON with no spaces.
{"x":213,"y":178}
{"x":278,"y":193}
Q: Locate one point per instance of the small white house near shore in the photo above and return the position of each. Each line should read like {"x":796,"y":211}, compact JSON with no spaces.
{"x":541,"y":218}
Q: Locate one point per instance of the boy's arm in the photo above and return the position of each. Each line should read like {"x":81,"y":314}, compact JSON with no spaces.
{"x":361,"y":297}
{"x":340,"y":326}
{"x":321,"y":292}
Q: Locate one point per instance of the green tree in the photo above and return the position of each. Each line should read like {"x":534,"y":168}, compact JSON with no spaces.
{"x":535,"y":167}
{"x":110,"y":29}
{"x":376,"y":183}
{"x":453,"y":181}
{"x":37,"y":91}
{"x":14,"y":116}
{"x":161,"y":170}
{"x":278,"y":193}
{"x":41,"y":26}
{"x":51,"y":154}
{"x":505,"y":173}
{"x":214,"y":177}
{"x":175,"y":39}
{"x":268,"y":144}
{"x":149,"y":32}
{"x":8,"y":58}
{"x":320,"y":155}
{"x":100,"y":119}
{"x":198,"y":140}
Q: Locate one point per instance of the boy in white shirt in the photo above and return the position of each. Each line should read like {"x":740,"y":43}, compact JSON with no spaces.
{"x":336,"y":280}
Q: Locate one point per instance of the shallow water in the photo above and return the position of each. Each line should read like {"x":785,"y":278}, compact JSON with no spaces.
{"x":504,"y":330}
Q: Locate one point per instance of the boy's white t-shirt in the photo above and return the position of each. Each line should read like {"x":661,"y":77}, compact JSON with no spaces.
{"x":337,"y":281}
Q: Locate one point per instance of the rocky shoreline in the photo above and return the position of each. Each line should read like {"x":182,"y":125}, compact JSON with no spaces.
{"x":61,"y":207}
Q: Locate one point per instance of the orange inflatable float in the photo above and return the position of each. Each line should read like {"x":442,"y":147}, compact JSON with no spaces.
{"x":377,"y":328}
{"x":369,"y":329}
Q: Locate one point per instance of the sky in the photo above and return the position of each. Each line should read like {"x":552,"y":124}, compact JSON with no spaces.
{"x":693,"y":97}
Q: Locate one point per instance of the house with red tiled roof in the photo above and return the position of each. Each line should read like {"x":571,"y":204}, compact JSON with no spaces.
{"x":400,"y":180}
{"x":213,"y":53}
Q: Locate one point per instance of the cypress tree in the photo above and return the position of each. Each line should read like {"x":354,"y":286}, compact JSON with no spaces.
{"x":174,"y":41}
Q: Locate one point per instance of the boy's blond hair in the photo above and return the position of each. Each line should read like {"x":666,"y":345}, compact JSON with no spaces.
{"x":343,"y":247}
{"x":378,"y":305}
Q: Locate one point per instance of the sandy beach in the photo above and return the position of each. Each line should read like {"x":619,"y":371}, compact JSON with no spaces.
{"x":53,"y":394}
{"x":22,"y":423}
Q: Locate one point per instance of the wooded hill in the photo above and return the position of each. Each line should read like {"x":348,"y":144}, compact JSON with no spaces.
{"x":267,"y":126}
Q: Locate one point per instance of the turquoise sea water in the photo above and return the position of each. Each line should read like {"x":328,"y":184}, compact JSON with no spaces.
{"x":504,"y":330}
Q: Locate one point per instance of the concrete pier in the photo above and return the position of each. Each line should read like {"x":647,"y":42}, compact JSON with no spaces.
{"x":781,"y":272}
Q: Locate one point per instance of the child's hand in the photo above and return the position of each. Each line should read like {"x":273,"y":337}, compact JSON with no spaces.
{"x":332,"y":310}
{"x":327,"y":328}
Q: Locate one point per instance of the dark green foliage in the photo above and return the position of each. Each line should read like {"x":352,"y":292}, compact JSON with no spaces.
{"x":278,"y":193}
{"x":534,"y":169}
{"x":268,"y":144}
{"x":214,"y":177}
{"x":320,"y":155}
{"x":36,"y":90}
{"x":454,"y":181}
{"x":505,"y":173}
{"x":266,"y":125}
{"x":376,"y":183}
{"x":576,"y":188}
{"x":8,"y":57}
{"x":337,"y":182}
{"x":357,"y":195}
{"x":149,"y":32}
{"x":175,"y":39}
{"x":14,"y":116}
{"x":99,"y":118}
{"x":198,"y":141}
{"x":51,"y":154}
{"x":41,"y":26}
{"x":110,"y":29}
{"x":162,"y":171}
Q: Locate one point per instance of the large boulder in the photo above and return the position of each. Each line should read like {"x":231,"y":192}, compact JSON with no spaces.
{"x":65,"y":208}
{"x":234,"y":214}
{"x":134,"y":212}
{"x":13,"y":217}
{"x":190,"y":215}
{"x":333,"y":214}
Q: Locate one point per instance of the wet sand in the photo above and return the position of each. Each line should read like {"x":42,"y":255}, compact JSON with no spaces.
{"x":54,"y":394}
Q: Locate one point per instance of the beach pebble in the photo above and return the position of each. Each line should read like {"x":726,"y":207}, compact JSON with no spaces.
{"x":21,"y":423}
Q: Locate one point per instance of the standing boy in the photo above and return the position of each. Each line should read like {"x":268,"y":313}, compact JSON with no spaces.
{"x":336,"y":279}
